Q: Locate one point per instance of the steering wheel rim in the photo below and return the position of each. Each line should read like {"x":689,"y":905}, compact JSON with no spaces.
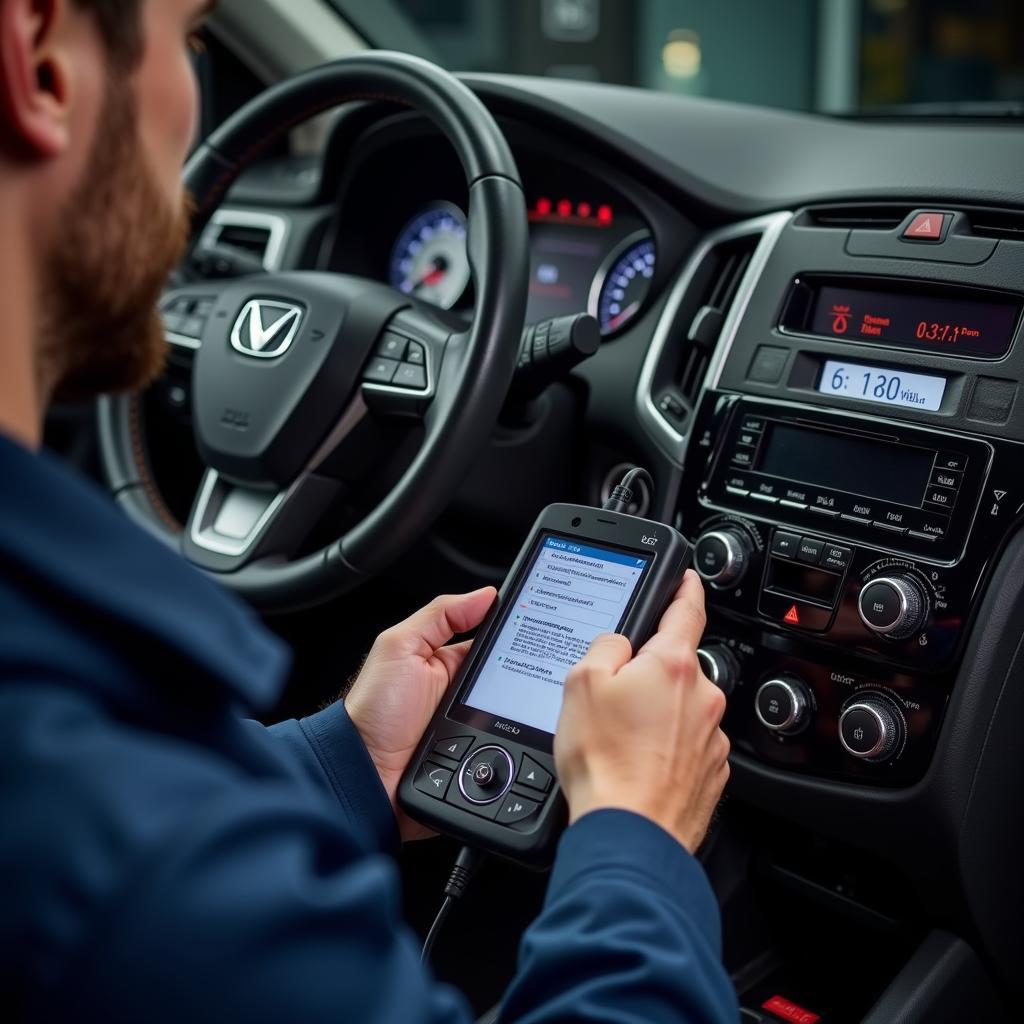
{"x":474,"y":369}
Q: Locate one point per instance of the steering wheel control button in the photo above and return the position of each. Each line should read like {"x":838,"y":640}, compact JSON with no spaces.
{"x":417,"y":354}
{"x":721,"y":557}
{"x":720,"y":665}
{"x":454,"y":747}
{"x":393,"y":346}
{"x":782,"y":705}
{"x":785,"y":545}
{"x":926,"y":227}
{"x":515,"y":809}
{"x":531,"y":774}
{"x":433,"y":779}
{"x":893,"y":606}
{"x":809,"y":551}
{"x":871,"y":729}
{"x":410,"y":376}
{"x":380,"y":371}
{"x":486,"y":775}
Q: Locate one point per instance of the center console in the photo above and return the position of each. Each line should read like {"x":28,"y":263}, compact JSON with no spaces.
{"x":850,"y":473}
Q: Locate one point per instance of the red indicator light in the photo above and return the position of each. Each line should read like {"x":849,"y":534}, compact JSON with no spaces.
{"x":564,"y":208}
{"x":583,"y":210}
{"x":604,"y":214}
{"x":788,"y":1010}
{"x":792,"y":616}
{"x":544,"y":206}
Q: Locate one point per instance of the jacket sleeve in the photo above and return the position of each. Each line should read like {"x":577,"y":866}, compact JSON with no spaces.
{"x":327,"y":750}
{"x":629,"y":933}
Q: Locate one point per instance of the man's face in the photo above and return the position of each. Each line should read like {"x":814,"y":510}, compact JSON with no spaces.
{"x":125,"y":225}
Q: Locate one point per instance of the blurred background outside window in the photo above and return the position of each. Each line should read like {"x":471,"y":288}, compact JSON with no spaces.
{"x":835,"y":56}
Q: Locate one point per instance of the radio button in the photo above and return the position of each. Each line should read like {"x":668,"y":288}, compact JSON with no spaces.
{"x":836,"y":557}
{"x":856,"y":519}
{"x":744,"y":456}
{"x":922,"y":536}
{"x":809,"y":550}
{"x":890,"y":528}
{"x":763,"y":497}
{"x":946,"y":478}
{"x":736,"y":492}
{"x":785,"y":545}
{"x":823,"y":511}
{"x":753,"y":423}
{"x":747,"y":437}
{"x":940,"y":498}
{"x":860,"y":509}
{"x":737,"y":481}
{"x":824,"y":501}
{"x":951,"y":460}
{"x":894,"y":517}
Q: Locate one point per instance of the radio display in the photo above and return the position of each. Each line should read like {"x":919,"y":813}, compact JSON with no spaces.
{"x":896,"y":473}
{"x":952,"y":326}
{"x":878,"y":384}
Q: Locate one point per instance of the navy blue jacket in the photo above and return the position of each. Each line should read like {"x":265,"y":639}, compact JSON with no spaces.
{"x":164,"y":859}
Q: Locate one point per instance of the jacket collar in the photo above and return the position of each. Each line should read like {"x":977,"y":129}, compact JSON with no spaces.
{"x":62,"y":535}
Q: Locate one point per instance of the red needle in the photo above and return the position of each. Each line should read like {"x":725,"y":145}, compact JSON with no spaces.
{"x":623,"y":316}
{"x":434,"y":275}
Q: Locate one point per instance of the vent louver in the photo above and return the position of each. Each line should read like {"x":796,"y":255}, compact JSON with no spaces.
{"x":250,"y":239}
{"x":882,"y":217}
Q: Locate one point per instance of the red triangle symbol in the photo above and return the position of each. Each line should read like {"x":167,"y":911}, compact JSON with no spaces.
{"x":792,"y":616}
{"x":924,"y":228}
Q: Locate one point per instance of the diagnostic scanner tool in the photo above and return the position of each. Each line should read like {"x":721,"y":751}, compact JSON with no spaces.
{"x":484,"y":772}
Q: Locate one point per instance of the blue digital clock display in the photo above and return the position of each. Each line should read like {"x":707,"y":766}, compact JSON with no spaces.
{"x":882,"y":385}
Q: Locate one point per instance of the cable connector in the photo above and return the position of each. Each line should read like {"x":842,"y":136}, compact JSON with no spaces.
{"x":622,"y":495}
{"x":462,"y":873}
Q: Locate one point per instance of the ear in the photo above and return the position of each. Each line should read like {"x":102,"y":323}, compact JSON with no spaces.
{"x":34,"y":77}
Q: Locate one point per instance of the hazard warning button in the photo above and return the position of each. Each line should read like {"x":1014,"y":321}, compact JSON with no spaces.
{"x":926,"y":227}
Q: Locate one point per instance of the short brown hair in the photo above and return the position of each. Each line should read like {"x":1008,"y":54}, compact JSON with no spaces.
{"x":120,"y":25}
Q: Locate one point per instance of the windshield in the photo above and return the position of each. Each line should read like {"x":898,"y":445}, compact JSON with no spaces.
{"x":834,"y":56}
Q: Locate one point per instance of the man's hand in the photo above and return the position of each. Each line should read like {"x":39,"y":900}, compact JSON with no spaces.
{"x":401,"y":684}
{"x":642,"y":734}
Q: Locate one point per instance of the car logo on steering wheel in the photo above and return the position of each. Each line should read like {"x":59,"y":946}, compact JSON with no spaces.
{"x":266,"y":329}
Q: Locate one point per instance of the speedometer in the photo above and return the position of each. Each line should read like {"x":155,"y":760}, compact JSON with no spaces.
{"x":429,"y":259}
{"x":622,"y":283}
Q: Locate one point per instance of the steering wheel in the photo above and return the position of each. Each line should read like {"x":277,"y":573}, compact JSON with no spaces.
{"x":295,"y":373}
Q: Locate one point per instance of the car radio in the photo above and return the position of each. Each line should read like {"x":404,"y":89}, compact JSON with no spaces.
{"x":842,"y":555}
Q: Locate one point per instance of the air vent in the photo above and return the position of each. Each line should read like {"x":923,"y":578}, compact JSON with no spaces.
{"x":259,"y":236}
{"x":997,"y":224}
{"x":871,"y":218}
{"x":721,"y":275}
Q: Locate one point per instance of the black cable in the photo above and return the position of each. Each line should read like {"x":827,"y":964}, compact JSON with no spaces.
{"x":622,"y":496}
{"x":461,"y":875}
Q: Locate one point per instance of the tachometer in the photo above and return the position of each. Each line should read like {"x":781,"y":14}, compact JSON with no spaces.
{"x":429,"y":259}
{"x":622,"y":283}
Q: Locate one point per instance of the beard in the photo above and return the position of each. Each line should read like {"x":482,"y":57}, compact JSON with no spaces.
{"x":119,"y":240}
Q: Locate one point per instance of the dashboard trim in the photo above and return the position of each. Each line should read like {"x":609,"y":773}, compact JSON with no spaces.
{"x":770,"y":227}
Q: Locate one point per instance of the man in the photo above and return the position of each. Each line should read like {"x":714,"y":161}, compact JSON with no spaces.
{"x":162,"y":858}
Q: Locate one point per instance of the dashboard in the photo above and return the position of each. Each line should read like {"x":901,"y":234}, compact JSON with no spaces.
{"x":813,"y":340}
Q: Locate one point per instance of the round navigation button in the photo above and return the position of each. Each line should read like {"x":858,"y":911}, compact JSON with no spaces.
{"x":486,"y":775}
{"x":881,"y":605}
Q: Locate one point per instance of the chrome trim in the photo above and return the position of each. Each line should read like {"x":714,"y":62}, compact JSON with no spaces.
{"x":735,"y":559}
{"x":901,"y":615}
{"x":276,"y":226}
{"x":795,"y":716}
{"x":182,"y":340}
{"x":504,"y":789}
{"x":769,"y":227}
{"x":885,"y":740}
{"x":260,"y":336}
{"x":597,"y":285}
{"x":203,"y":536}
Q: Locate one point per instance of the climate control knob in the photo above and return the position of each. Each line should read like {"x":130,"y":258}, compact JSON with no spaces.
{"x":893,"y":606}
{"x":783,"y":705}
{"x":720,"y":665}
{"x":871,"y":728}
{"x":722,"y":556}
